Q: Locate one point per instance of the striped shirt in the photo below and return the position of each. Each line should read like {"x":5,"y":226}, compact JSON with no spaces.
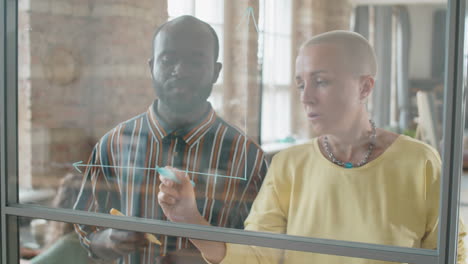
{"x":123,"y":174}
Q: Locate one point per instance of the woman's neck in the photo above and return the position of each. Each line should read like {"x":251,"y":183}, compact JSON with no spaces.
{"x":351,"y":144}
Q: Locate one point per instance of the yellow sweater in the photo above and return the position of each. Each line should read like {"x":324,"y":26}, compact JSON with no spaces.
{"x":393,"y":200}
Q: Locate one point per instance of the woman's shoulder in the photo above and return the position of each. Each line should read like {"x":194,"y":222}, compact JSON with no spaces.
{"x":304,"y":148}
{"x":407,"y":146}
{"x":296,"y":154}
{"x":417,"y":145}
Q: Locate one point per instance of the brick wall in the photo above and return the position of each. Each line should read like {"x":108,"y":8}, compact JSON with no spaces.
{"x":241,"y":89}
{"x":83,"y":69}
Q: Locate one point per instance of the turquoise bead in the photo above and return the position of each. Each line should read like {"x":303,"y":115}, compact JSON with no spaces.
{"x":348,"y":165}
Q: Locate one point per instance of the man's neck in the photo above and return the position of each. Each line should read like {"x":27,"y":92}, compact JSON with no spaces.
{"x":177,"y":120}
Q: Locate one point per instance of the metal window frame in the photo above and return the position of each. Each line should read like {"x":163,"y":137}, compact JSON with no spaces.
{"x":9,"y":152}
{"x":452,"y":133}
{"x":10,"y":209}
{"x":2,"y":118}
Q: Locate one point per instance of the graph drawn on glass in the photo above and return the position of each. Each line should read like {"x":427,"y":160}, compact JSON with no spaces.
{"x":161,"y":170}
{"x":248,"y":14}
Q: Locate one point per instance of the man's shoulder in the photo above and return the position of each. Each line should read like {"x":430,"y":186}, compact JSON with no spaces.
{"x":233,"y":132}
{"x":127,"y":127}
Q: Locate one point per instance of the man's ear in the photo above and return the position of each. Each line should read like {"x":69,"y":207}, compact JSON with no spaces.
{"x":366,"y":87}
{"x":217,"y":69}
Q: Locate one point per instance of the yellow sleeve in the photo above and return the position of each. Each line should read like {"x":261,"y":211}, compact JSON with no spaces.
{"x":268,"y":214}
{"x":461,"y":248}
{"x":432,"y":197}
{"x":429,"y":241}
{"x":461,"y":251}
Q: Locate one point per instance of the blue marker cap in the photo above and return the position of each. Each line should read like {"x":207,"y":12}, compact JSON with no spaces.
{"x":170,"y":175}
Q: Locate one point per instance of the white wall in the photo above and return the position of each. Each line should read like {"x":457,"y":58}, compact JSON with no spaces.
{"x":421,"y":19}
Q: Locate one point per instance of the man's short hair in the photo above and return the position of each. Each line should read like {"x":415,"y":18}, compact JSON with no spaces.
{"x":187,"y":17}
{"x":359,"y":53}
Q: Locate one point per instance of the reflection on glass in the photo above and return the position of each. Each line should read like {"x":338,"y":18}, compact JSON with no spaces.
{"x":95,"y":83}
{"x":50,"y":242}
{"x":180,"y":129}
{"x":211,"y":12}
{"x":83,"y":72}
{"x":64,"y":244}
{"x":351,"y":182}
{"x":275,"y":39}
{"x":67,"y":246}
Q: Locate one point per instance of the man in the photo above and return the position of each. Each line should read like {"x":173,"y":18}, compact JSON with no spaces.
{"x":180,"y":129}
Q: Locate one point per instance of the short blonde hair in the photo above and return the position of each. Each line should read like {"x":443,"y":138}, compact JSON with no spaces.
{"x":358,"y":51}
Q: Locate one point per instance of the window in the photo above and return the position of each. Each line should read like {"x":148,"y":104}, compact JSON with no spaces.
{"x":275,"y":61}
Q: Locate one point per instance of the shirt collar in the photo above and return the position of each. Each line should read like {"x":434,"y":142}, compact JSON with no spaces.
{"x":190,"y":133}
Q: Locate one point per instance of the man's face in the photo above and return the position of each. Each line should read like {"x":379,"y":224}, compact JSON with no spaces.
{"x":184,"y":68}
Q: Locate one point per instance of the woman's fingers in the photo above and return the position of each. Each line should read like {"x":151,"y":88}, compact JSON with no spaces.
{"x":166,"y":199}
{"x":182,"y":176}
{"x":166,"y":181}
{"x":179,"y":174}
{"x":169,"y":190}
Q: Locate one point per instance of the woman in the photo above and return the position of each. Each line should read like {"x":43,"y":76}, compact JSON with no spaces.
{"x":353,"y":182}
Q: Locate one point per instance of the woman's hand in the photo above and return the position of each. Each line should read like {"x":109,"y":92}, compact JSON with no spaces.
{"x":179,"y":205}
{"x":178,"y":199}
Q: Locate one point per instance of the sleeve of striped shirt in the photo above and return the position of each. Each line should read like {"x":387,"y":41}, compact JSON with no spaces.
{"x":95,"y":195}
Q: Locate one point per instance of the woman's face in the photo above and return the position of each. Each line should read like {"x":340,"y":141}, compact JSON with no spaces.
{"x":331,"y":94}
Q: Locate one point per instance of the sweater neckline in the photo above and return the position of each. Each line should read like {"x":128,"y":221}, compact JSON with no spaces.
{"x":371,"y":163}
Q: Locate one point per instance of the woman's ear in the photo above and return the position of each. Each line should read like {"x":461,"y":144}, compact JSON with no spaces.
{"x":366,"y":87}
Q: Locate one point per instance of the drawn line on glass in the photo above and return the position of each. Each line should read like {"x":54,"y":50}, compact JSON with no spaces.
{"x":249,"y":13}
{"x":161,"y":170}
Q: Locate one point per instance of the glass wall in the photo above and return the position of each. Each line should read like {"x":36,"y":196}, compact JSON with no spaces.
{"x":51,"y":242}
{"x":227,"y":120}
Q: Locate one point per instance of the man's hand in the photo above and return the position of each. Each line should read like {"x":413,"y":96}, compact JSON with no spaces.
{"x":178,"y":199}
{"x":113,"y":243}
{"x":125,"y":242}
